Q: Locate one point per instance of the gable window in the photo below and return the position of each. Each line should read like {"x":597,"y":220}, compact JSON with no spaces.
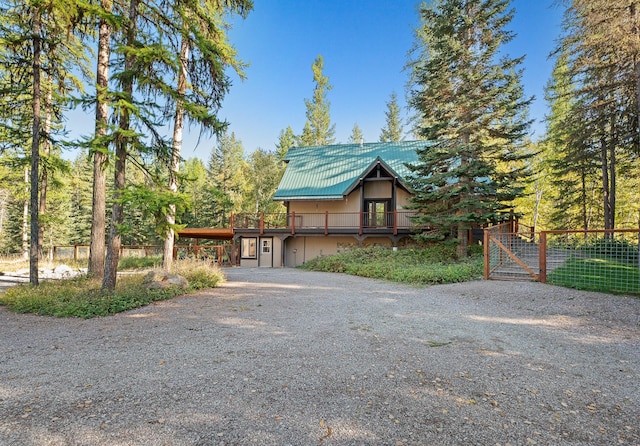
{"x":248,"y":248}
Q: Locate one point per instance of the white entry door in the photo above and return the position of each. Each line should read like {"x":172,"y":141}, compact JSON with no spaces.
{"x":266,"y":252}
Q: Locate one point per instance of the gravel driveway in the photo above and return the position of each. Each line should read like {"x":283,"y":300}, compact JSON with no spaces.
{"x":287,"y":357}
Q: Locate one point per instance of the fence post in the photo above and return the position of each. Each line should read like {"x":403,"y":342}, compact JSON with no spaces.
{"x":542,"y":277}
{"x":487,"y":254}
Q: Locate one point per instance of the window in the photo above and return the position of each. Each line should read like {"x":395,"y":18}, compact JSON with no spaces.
{"x":266,"y":246}
{"x":377,"y":213}
{"x":249,"y":246}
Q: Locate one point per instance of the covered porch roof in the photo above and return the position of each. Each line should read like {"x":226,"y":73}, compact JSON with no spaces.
{"x":207,"y":233}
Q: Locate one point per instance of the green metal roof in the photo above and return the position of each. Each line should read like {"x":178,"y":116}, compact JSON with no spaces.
{"x":331,"y":172}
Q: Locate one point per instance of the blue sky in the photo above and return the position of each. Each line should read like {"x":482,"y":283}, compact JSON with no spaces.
{"x":365,"y":46}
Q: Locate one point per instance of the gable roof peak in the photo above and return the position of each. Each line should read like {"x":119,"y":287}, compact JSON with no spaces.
{"x":329,"y":172}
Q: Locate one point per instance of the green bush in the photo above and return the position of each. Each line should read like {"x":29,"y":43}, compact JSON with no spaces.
{"x":126,"y":263}
{"x":434,"y":264}
{"x":83,"y":297}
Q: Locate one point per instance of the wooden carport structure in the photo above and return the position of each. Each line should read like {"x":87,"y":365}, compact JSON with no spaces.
{"x":220,"y":234}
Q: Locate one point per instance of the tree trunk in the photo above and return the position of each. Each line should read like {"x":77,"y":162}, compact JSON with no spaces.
{"x":612,"y":173}
{"x":583,"y":184}
{"x":122,"y":143}
{"x":98,"y":209}
{"x":46,"y":151}
{"x":25,"y":216}
{"x":178,"y":126}
{"x":605,"y":183}
{"x":35,"y":149}
{"x":633,"y":9}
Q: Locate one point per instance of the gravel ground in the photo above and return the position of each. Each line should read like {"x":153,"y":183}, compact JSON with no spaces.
{"x":287,"y":357}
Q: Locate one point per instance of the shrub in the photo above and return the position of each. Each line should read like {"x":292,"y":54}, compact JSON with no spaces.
{"x":424,"y":266}
{"x":83,"y":297}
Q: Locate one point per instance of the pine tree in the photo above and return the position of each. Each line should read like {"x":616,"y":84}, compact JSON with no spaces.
{"x":392,"y":132}
{"x":194,"y":178}
{"x":318,"y":129}
{"x":227,"y":169}
{"x":356,"y":136}
{"x":264,"y":173}
{"x":599,"y":128}
{"x":471,"y":113}
{"x":286,"y":140}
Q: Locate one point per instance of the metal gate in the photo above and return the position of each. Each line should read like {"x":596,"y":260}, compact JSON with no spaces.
{"x":511,"y":252}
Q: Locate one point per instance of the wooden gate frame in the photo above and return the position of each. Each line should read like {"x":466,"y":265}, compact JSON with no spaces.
{"x":488,"y":238}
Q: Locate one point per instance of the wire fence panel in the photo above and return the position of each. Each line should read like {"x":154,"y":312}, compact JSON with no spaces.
{"x":510,"y":255}
{"x":605,"y":261}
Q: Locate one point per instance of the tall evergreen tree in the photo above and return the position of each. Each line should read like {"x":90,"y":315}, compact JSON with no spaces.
{"x":286,"y":140}
{"x":472,"y":115}
{"x":318,"y":129}
{"x":227,"y":168}
{"x":599,"y":128}
{"x":392,"y":131}
{"x":356,"y":136}
{"x":125,"y":138}
{"x":194,"y":177}
{"x":198,"y":96}
{"x":265,"y":171}
{"x":100,"y":146}
{"x":38,"y":54}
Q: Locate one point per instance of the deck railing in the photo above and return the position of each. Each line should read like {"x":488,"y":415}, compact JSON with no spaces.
{"x":327,"y":222}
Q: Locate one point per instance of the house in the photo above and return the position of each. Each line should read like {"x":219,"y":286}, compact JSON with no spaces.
{"x":336,"y":197}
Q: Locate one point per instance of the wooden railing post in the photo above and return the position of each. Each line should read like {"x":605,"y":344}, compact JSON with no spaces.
{"x":231,"y":220}
{"x":326,"y":222}
{"x":395,"y":222}
{"x":261,"y":224}
{"x":542,"y":277}
{"x":293,"y":223}
{"x":360,"y":224}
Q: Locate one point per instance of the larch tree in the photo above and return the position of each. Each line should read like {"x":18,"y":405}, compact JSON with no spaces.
{"x":392,"y":131}
{"x":39,"y":49}
{"x":472,"y":115}
{"x":159,"y":39}
{"x":124,"y":138}
{"x":100,"y":145}
{"x":204,"y":55}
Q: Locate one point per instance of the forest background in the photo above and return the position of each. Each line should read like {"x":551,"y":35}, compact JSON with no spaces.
{"x":583,"y":171}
